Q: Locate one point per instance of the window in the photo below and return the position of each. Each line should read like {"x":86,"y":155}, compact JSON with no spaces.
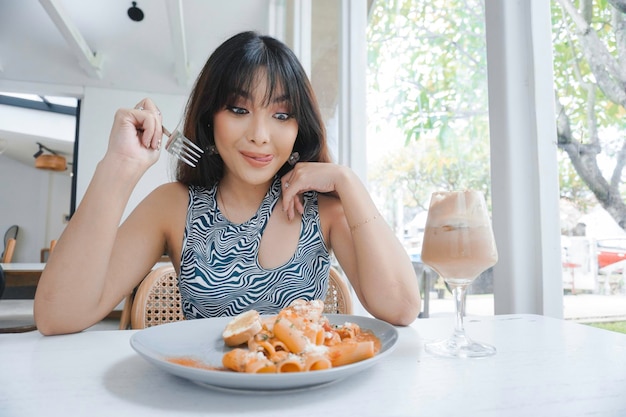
{"x":428,"y":126}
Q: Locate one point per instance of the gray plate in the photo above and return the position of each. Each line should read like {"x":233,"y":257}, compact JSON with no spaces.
{"x":202,"y":340}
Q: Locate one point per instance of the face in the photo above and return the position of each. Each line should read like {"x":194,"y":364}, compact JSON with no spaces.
{"x":254,"y":138}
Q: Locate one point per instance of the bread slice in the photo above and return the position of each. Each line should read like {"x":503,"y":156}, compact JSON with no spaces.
{"x":242,"y":327}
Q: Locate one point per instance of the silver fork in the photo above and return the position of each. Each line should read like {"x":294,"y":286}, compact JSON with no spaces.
{"x":182,"y":148}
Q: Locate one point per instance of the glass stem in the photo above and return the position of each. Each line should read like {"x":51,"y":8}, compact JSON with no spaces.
{"x":458,"y":292}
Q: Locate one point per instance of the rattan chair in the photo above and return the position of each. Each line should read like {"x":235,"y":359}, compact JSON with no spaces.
{"x":156,"y":300}
{"x":338,"y":297}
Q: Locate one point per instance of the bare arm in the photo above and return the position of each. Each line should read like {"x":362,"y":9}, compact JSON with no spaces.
{"x":74,"y":291}
{"x":374,"y":260}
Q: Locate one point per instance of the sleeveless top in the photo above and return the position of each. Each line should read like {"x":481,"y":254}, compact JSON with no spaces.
{"x":220,"y":274}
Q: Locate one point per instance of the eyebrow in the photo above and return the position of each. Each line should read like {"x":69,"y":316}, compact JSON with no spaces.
{"x":246,"y":95}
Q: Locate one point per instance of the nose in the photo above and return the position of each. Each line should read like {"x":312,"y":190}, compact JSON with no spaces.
{"x":259,"y":132}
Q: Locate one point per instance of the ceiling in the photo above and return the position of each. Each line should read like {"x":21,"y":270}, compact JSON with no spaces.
{"x":71,"y":44}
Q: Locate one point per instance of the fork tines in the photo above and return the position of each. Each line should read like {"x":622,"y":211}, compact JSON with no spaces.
{"x":182,"y":148}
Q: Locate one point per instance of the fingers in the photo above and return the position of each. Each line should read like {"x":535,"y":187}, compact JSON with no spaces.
{"x":298,"y":205}
{"x":149,"y":129}
{"x":287,"y":201}
{"x":293,"y":205}
{"x":292,"y":202}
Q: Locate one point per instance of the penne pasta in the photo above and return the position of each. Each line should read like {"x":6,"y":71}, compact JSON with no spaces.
{"x":279,"y":356}
{"x":258,"y":364}
{"x":291,"y":363}
{"x":350,"y":351}
{"x":235,"y":360}
{"x":242,"y":360}
{"x":299,"y":338}
{"x":292,"y":337}
{"x":262,"y":342}
{"x":316,"y":361}
{"x":315,"y":333}
{"x":278,"y":345}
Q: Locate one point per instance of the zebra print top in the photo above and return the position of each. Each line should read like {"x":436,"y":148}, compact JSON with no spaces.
{"x":220,"y":274}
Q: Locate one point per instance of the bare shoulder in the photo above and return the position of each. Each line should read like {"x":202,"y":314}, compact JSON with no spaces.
{"x":164,"y":203}
{"x":169,"y":202}
{"x":171,"y":193}
{"x":168,"y":210}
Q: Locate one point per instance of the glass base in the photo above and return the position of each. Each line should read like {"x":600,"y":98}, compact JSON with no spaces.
{"x":460,"y":348}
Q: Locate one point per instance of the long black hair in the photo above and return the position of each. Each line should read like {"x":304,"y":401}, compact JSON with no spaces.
{"x":232,"y":68}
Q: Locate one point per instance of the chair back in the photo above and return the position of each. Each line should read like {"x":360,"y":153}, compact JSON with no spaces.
{"x":11,"y":233}
{"x":156,"y":300}
{"x":45,"y":252}
{"x":8,"y":252}
{"x":338,"y":297}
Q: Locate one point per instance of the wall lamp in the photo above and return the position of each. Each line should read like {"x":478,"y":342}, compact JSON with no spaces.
{"x":51,"y":160}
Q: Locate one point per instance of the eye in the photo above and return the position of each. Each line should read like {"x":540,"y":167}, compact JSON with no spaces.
{"x":237,"y":110}
{"x":282,"y":116}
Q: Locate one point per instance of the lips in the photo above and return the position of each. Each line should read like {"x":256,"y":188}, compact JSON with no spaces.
{"x":258,"y":158}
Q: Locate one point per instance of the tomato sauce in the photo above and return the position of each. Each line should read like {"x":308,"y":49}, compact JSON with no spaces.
{"x":193,"y":363}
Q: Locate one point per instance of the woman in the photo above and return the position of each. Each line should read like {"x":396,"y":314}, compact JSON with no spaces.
{"x":251,"y":227}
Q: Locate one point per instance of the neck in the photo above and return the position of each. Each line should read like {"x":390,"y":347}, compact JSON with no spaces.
{"x":240,"y":201}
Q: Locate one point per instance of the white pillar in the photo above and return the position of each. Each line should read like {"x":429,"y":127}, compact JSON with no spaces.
{"x":302,"y":33}
{"x":527,"y":277}
{"x":353,"y":86}
{"x":277,"y":20}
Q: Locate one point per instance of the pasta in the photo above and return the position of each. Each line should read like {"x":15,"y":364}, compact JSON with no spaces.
{"x":298,"y":339}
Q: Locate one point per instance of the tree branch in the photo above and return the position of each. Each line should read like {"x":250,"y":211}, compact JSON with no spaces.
{"x":583,"y":158}
{"x":619,"y":27}
{"x":605,"y":68}
{"x":619,"y":5}
{"x":616,"y":178}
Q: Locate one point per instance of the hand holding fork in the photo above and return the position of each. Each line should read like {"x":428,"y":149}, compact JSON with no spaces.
{"x":178,"y":145}
{"x":182,"y":148}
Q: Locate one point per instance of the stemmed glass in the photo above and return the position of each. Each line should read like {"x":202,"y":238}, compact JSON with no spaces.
{"x":459,"y":245}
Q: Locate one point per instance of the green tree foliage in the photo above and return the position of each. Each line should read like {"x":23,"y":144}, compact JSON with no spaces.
{"x":437,"y":56}
{"x":427,"y":68}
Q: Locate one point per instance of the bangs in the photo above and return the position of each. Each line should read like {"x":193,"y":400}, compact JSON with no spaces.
{"x":280,"y":82}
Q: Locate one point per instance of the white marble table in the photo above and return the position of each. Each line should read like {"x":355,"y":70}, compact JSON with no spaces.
{"x":544,"y":367}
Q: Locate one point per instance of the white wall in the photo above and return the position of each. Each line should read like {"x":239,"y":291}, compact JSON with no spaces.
{"x":37,"y":208}
{"x":97,"y":110}
{"x":37,"y":200}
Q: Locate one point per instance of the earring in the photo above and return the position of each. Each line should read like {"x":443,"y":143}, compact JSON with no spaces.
{"x":212,"y":150}
{"x":295,"y":157}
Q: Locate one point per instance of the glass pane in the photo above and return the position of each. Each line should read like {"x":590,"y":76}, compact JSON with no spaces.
{"x":589,"y":61}
{"x":428,"y":126}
